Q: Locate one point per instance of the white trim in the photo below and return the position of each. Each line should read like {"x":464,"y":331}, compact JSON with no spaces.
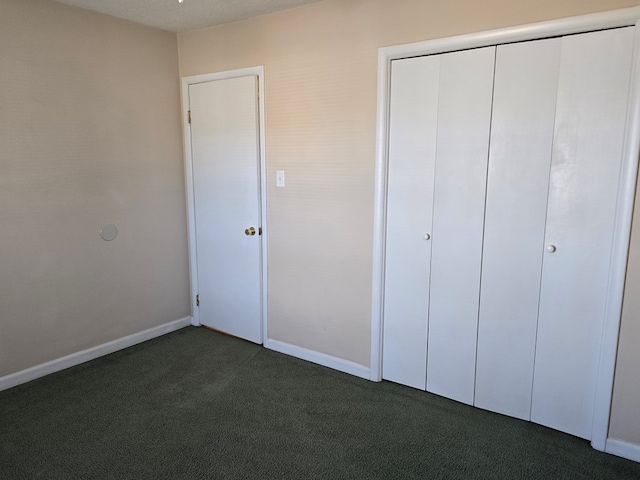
{"x":320,"y":358}
{"x":619,"y":255}
{"x":563,"y":26}
{"x":583,"y":23}
{"x":191,"y":213}
{"x":263,"y":201}
{"x":77,"y":358}
{"x":188,"y":173}
{"x":380,"y":213}
{"x":630,"y":451}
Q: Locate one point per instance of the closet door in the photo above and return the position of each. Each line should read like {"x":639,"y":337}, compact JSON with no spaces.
{"x":412,"y":149}
{"x":525,"y":90}
{"x":464,"y":118}
{"x":587,"y":151}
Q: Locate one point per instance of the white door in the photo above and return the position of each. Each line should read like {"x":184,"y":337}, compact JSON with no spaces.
{"x":464,"y":118}
{"x":412,"y":154}
{"x":590,"y":120}
{"x":439,"y":135}
{"x":525,"y":89}
{"x":226,"y":179}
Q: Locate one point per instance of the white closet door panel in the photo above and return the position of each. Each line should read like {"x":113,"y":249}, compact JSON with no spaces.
{"x":412,"y":146}
{"x":464,"y":118}
{"x":587,"y":151}
{"x":520,"y":154}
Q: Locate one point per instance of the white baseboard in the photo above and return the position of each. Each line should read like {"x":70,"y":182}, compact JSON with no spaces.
{"x":74,"y":359}
{"x":627,"y":450}
{"x":320,"y":358}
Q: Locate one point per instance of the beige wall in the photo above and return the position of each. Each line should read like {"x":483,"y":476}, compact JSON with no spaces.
{"x":90,"y":134}
{"x":320,"y":63}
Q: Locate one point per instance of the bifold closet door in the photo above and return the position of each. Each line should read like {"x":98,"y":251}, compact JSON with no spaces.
{"x":593,"y":88}
{"x":412,"y":148}
{"x":555,"y":156}
{"x":438,"y":147}
{"x":464,"y":119}
{"x":504,"y":167}
{"x":525,"y":89}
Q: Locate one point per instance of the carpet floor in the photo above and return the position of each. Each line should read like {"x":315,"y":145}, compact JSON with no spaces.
{"x":195,"y":404}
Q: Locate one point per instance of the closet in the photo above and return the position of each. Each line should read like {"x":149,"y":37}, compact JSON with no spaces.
{"x":503,"y":171}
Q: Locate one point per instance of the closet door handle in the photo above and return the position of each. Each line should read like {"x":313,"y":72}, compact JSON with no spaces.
{"x":551,"y":248}
{"x":427,"y":236}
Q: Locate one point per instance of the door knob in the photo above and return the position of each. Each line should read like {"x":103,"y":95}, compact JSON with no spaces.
{"x":250,"y":231}
{"x":551,"y":248}
{"x":427,"y":236}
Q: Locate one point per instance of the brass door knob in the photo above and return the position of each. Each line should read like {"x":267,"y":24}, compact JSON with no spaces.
{"x":250,"y":231}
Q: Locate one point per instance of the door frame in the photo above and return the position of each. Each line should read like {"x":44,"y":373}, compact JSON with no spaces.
{"x":626,"y":194}
{"x":189,"y":188}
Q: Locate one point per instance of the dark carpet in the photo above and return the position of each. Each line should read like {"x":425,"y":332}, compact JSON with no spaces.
{"x":196,"y":404}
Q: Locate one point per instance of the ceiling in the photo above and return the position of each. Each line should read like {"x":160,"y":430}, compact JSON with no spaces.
{"x":190,"y":15}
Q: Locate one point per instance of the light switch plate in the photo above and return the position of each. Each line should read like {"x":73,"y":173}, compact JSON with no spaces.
{"x":280,"y":178}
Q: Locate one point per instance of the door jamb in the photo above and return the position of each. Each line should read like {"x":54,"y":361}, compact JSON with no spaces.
{"x":190,"y":199}
{"x":626,"y":194}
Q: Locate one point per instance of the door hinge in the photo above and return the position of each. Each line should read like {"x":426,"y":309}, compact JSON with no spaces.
{"x":189,"y":116}
{"x":198,"y":300}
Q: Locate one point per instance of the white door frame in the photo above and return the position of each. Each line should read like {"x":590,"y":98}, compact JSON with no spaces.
{"x":188,"y":175}
{"x":626,"y":194}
